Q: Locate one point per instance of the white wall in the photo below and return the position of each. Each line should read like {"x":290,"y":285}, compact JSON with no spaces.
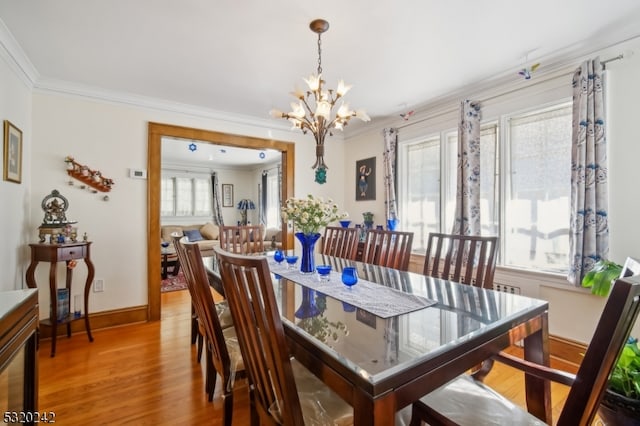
{"x":15,"y":201}
{"x":113,"y":138}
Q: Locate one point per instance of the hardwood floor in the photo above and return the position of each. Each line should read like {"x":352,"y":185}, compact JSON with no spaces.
{"x":147,"y":374}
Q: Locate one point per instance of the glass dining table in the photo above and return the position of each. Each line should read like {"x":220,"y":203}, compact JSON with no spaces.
{"x":395,"y":335}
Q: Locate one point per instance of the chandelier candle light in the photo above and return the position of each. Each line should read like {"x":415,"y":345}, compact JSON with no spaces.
{"x":313,"y":111}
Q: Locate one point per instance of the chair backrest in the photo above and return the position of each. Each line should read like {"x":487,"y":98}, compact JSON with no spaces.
{"x":388,"y":248}
{"x":249,"y":291}
{"x":198,"y":284}
{"x":242,"y":239}
{"x":465,"y":259}
{"x":340,"y":242}
{"x":612,"y":331}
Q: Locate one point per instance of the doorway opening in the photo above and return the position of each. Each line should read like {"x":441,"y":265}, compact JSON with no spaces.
{"x":154,"y":164}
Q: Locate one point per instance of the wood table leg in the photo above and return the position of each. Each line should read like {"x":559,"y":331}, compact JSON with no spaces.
{"x":54,"y":306}
{"x":538,"y":391}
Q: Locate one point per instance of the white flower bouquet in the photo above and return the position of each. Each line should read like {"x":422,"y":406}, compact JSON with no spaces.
{"x":311,"y":214}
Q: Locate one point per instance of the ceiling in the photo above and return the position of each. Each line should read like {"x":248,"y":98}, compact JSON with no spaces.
{"x":244,"y":58}
{"x":178,"y":152}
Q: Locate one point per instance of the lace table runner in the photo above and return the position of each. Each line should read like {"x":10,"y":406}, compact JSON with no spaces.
{"x":377,"y":299}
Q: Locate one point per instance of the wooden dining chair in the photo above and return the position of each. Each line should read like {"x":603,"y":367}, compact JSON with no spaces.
{"x":340,"y":242}
{"x":283,"y":392}
{"x":197,"y":328}
{"x":223,"y":355}
{"x":242,"y":239}
{"x":481,"y":405}
{"x":465,"y":259}
{"x":388,"y":248}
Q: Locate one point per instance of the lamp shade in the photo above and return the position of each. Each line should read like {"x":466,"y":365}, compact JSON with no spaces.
{"x":246,"y":204}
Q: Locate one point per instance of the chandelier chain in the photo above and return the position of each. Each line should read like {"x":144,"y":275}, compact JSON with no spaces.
{"x":319,"y":54}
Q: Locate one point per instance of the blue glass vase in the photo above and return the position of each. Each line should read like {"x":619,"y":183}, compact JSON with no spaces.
{"x":307,"y":259}
{"x":308,"y":308}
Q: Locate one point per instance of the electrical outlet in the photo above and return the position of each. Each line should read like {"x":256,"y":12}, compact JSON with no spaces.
{"x":98,"y":286}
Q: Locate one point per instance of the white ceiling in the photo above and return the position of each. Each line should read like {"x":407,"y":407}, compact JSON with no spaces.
{"x":178,"y":152}
{"x":244,"y":57}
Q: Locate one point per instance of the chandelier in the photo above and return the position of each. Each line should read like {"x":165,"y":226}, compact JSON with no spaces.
{"x":314,"y":109}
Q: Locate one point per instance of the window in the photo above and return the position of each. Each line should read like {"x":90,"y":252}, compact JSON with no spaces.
{"x":186,"y":196}
{"x":538,"y":190}
{"x":524,"y":182}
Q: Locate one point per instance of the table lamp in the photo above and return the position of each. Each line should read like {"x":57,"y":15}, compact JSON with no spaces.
{"x":244,"y":205}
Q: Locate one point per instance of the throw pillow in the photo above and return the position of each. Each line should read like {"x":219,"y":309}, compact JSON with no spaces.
{"x":210,"y":231}
{"x":193,"y":235}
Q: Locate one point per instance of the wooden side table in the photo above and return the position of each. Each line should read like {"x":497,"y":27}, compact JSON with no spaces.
{"x":54,"y":253}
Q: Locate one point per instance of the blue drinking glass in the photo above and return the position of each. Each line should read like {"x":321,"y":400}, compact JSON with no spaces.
{"x":291,"y":260}
{"x":349,"y":276}
{"x":324,"y":271}
{"x":278,"y":256}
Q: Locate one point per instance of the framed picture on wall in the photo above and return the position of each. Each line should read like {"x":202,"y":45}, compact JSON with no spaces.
{"x":366,"y":179}
{"x":227,"y":195}
{"x":12,"y":153}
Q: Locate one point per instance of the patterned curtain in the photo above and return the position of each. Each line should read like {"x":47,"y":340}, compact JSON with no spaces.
{"x":263,"y":198}
{"x":589,"y":232}
{"x":389,"y":159}
{"x":467,"y":216}
{"x":217,"y":211}
{"x":279,"y":189}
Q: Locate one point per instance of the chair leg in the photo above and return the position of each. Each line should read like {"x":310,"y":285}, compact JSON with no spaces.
{"x":211,"y":376}
{"x":227,"y":413}
{"x":199,"y":346}
{"x":194,"y":326}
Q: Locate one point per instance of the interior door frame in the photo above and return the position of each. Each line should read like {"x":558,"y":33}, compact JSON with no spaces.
{"x":154,"y":166}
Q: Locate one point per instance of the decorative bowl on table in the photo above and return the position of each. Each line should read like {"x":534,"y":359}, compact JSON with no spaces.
{"x":278,"y":256}
{"x":345,"y":223}
{"x":164,"y":244}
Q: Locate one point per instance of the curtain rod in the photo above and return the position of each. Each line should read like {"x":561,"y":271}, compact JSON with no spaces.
{"x":615,"y":58}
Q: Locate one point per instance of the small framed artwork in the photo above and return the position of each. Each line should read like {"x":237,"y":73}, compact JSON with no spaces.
{"x":366,"y":179}
{"x":12,"y":153}
{"x":227,"y":195}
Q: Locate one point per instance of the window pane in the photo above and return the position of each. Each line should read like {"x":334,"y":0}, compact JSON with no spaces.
{"x":203,"y":197}
{"x":184,"y":196}
{"x":167,"y":197}
{"x":421,"y":206}
{"x":539,"y":189}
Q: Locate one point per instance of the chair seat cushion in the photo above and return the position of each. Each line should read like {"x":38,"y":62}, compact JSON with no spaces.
{"x":224,"y":314}
{"x":320,"y":405}
{"x":233,"y":347}
{"x":469,"y":402}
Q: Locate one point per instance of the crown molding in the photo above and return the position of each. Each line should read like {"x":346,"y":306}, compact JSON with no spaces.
{"x":15,"y":57}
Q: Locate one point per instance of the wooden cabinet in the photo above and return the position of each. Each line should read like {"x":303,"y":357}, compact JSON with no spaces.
{"x":18,"y":355}
{"x":54,"y":253}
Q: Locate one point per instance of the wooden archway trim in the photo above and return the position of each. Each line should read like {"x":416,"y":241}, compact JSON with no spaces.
{"x":154,"y":166}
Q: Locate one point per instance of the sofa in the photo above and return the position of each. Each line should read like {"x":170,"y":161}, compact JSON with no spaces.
{"x":272,"y":239}
{"x":206,"y":235}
